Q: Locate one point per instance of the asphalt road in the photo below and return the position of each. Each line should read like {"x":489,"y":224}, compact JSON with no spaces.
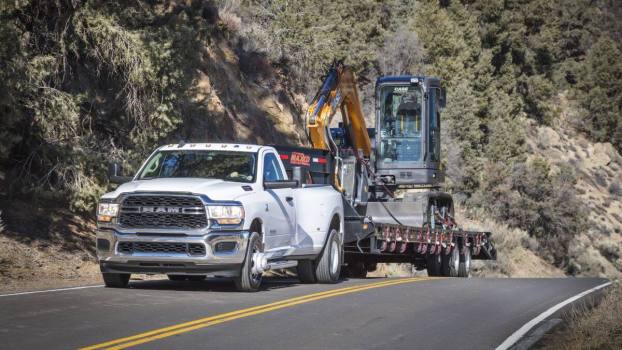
{"x":354,"y":314}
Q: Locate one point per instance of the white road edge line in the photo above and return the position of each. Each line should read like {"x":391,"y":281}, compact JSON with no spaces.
{"x":512,"y":339}
{"x":50,"y":290}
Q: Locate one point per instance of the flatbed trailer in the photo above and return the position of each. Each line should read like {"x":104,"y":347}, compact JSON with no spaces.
{"x":372,"y":237}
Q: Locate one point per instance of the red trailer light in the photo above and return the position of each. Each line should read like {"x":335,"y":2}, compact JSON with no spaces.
{"x":320,"y":160}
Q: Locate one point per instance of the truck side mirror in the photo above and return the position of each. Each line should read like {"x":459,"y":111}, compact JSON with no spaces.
{"x":275,"y":185}
{"x":443,"y":98}
{"x":115,"y":173}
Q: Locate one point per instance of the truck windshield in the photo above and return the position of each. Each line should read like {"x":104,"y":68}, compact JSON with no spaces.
{"x":400,"y":123}
{"x":228,"y":166}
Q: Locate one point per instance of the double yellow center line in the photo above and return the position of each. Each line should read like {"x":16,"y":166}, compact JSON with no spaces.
{"x":160,"y":333}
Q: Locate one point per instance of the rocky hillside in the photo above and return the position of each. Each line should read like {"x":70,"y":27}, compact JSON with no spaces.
{"x":597,"y":250}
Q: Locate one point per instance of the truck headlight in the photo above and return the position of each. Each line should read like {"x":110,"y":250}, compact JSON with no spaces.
{"x":107,"y":211}
{"x":226,"y":214}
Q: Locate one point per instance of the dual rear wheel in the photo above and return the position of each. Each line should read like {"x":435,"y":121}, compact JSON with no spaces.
{"x":455,"y":264}
{"x":327,"y":267}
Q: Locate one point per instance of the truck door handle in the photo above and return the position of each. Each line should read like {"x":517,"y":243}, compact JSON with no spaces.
{"x":289,"y":199}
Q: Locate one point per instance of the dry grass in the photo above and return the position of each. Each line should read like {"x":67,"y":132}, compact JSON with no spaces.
{"x":395,"y":270}
{"x":596,"y":328}
{"x":45,"y":247}
{"x":230,"y":21}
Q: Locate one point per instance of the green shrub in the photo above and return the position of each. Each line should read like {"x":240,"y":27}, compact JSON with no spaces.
{"x":600,"y":92}
{"x":87,"y":82}
{"x":541,"y":201}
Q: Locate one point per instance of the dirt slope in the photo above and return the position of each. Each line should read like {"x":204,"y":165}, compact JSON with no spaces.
{"x":598,"y":167}
{"x":248,"y":100}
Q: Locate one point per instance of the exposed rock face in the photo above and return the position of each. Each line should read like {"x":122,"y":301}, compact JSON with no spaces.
{"x":598,"y":167}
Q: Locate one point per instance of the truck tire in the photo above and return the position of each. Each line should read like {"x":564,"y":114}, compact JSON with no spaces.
{"x":433,"y":264}
{"x":306,"y":271}
{"x":450,"y":263}
{"x":464,"y":269}
{"x":116,"y":280}
{"x":247,"y":281}
{"x":328,"y":266}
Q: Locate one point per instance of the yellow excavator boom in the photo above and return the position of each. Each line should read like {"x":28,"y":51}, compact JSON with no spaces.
{"x":338,"y":91}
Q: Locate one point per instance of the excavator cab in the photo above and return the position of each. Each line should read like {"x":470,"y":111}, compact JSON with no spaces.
{"x":407,"y":140}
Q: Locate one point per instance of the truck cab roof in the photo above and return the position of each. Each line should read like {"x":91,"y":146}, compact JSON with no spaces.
{"x":233,"y":147}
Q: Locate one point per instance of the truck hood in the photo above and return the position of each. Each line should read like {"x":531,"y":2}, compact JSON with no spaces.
{"x":213,"y":188}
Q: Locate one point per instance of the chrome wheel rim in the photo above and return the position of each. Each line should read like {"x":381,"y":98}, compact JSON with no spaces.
{"x":334,"y":263}
{"x":255,"y":277}
{"x":455,"y":260}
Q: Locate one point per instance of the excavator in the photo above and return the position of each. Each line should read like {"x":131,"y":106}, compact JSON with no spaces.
{"x":390,"y":175}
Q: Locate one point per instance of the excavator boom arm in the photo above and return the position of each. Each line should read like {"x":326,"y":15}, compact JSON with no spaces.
{"x":338,"y":92}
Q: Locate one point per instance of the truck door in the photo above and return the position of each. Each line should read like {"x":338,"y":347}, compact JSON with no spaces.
{"x":280,"y":225}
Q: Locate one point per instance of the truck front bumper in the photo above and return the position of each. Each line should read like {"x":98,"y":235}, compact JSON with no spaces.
{"x":219,"y":253}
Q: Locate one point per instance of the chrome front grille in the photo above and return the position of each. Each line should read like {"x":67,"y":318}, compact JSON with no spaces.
{"x":162,"y":211}
{"x":162,"y":200}
{"x":193,"y":249}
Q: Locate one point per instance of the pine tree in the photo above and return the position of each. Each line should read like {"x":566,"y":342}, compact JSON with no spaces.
{"x":602,"y":92}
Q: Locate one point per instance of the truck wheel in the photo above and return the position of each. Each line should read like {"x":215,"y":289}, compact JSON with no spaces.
{"x":464,"y":270}
{"x":248,"y":281}
{"x":329,"y":265}
{"x":433,"y":262}
{"x":116,"y":280}
{"x":450,"y":263}
{"x":306,"y":271}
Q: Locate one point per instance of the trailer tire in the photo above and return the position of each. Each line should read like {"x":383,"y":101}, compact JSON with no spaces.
{"x":116,"y":280}
{"x":306,"y":271}
{"x":247,"y":281}
{"x":464,"y":269}
{"x":433,"y":264}
{"x":451,"y":263}
{"x":328,"y":267}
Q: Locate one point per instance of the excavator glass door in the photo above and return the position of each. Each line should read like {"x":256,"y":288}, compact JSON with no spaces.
{"x":400,"y":124}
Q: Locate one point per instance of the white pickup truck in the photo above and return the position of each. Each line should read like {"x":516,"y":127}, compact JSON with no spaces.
{"x":209,"y":209}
